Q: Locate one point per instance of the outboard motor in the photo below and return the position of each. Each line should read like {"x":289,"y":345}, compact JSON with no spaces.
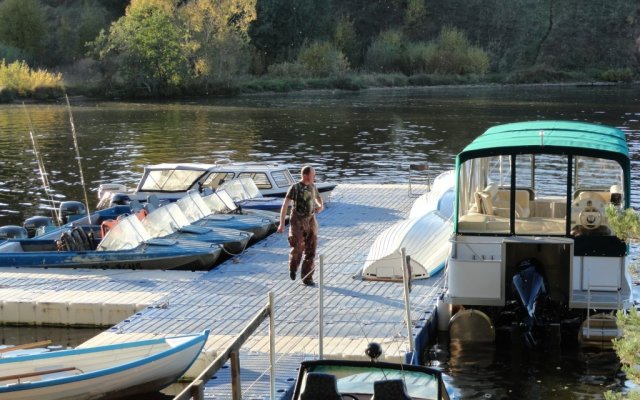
{"x":12,"y":232}
{"x":37,"y":225}
{"x":120,"y":199}
{"x":71,"y":210}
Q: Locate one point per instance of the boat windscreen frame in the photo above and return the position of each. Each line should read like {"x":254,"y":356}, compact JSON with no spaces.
{"x":149,"y":171}
{"x":512,"y":152}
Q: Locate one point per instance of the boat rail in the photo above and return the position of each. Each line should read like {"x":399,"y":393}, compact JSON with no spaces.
{"x":195,"y":390}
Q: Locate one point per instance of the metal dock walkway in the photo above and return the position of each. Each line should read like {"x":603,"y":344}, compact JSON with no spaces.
{"x":146,"y":304}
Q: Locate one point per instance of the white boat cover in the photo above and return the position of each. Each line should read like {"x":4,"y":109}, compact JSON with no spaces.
{"x":425,"y":240}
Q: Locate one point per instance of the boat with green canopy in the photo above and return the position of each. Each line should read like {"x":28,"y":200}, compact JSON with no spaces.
{"x":532,"y":252}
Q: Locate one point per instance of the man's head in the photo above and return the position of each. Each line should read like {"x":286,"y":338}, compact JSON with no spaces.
{"x":308,"y":174}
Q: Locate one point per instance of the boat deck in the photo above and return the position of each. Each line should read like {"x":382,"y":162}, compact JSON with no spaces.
{"x":145,"y":304}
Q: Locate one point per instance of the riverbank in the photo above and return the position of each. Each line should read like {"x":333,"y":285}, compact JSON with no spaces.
{"x":348,"y":82}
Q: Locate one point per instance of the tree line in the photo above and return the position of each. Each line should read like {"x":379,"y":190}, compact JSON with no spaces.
{"x":199,"y":47}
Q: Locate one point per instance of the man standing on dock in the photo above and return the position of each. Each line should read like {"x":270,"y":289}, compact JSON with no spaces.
{"x":303,"y":227}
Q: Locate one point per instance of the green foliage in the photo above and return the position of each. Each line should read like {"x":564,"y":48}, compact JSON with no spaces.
{"x":10,"y":54}
{"x":22,"y":25}
{"x":628,"y":350}
{"x":617,"y":75}
{"x":625,"y":224}
{"x":415,"y":19}
{"x":19,"y":78}
{"x":286,"y":70}
{"x":387,"y":53}
{"x":345,"y":39}
{"x":540,"y":73}
{"x":144,"y":51}
{"x":218,"y":37}
{"x":322,"y":59}
{"x":452,"y":54}
{"x":282,"y":26}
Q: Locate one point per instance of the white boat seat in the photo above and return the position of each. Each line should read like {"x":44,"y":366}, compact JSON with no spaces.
{"x":319,"y":386}
{"x":391,"y":389}
{"x":497,"y":202}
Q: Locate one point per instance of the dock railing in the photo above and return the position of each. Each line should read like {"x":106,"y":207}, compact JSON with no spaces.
{"x":195,"y":390}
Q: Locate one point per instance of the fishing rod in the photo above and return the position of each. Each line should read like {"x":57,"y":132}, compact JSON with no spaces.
{"x":75,"y":144}
{"x":43,"y":172}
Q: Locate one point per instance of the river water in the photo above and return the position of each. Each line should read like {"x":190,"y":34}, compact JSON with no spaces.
{"x":367,"y":136}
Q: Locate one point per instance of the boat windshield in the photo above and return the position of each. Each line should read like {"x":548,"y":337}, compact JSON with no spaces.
{"x":126,"y":235}
{"x":553,"y":193}
{"x":193,"y":207}
{"x":359,"y":380}
{"x":169,"y":180}
{"x":217,"y":204}
{"x":241,"y":189}
{"x":165,"y":220}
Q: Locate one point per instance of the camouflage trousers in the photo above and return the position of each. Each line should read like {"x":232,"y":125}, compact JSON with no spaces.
{"x":303,"y":239}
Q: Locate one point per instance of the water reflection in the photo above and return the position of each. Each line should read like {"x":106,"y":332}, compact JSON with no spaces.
{"x":370,"y":136}
{"x":512,"y":372}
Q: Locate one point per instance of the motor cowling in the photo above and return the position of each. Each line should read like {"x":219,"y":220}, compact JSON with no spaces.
{"x":36,"y":225}
{"x":120,"y":199}
{"x":13,"y":232}
{"x":70,"y":210}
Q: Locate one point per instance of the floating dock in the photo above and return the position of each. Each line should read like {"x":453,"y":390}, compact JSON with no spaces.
{"x":144,"y":304}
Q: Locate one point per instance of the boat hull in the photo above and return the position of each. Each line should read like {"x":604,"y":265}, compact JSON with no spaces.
{"x":149,"y":372}
{"x":147,"y":256}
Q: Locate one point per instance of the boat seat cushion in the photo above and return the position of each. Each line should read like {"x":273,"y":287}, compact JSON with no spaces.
{"x":390,"y":389}
{"x":319,"y":386}
{"x":484,"y":202}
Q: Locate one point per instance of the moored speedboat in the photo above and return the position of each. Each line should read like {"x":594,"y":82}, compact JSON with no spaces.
{"x":170,"y":181}
{"x":532,"y":251}
{"x":368,"y":380}
{"x":126,"y":246}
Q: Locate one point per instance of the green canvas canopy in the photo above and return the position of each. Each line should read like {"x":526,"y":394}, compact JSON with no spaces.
{"x":551,"y":137}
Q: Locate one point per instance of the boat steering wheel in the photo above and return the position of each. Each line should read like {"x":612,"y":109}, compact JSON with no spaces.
{"x":591,"y":217}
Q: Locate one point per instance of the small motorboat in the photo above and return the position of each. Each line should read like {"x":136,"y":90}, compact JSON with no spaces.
{"x":247,"y":196}
{"x":126,"y":246}
{"x":368,"y":380}
{"x":430,"y":217}
{"x":103,"y":372}
{"x":221,"y":203}
{"x":198,"y":213}
{"x":170,"y":181}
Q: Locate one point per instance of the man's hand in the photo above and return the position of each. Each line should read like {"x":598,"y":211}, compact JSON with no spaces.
{"x":280,"y":228}
{"x":319,"y":209}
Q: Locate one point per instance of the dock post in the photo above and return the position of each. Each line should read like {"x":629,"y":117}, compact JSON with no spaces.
{"x":272,"y":347}
{"x":407,"y":301}
{"x":321,"y":308}
{"x":236,"y":386}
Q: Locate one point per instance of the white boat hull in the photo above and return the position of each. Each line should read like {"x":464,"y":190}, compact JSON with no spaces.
{"x":101,"y":372}
{"x":425,"y":240}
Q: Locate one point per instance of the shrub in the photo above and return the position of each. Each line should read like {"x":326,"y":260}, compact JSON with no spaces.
{"x":322,"y":59}
{"x":286,"y":70}
{"x":387,"y":53}
{"x":452,"y":54}
{"x":617,"y":75}
{"x":539,"y":73}
{"x":24,"y":81}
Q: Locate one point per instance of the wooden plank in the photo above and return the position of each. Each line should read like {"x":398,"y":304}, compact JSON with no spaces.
{"x":33,"y":345}
{"x":36,"y":373}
